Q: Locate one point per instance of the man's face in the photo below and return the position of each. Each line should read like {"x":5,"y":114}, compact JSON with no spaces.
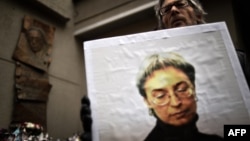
{"x":171,"y":95}
{"x":177,"y":15}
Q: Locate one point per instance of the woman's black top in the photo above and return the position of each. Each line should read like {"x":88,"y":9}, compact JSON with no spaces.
{"x":189,"y":132}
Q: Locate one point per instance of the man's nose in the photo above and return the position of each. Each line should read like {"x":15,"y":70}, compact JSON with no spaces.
{"x":173,"y":8}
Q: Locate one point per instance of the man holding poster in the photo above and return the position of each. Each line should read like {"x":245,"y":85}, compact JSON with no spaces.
{"x":179,"y":13}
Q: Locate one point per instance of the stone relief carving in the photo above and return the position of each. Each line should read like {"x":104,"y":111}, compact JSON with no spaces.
{"x":33,"y":58}
{"x":35,"y":44}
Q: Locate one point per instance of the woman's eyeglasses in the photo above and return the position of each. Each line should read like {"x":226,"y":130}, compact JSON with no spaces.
{"x":161,"y":97}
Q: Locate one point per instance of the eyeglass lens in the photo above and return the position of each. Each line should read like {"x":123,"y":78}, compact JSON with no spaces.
{"x":162,"y":98}
{"x":178,"y":4}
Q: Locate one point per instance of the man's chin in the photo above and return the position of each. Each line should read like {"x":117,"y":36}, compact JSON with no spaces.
{"x":178,"y":24}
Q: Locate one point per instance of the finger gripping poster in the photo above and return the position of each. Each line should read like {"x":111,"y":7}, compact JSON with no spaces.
{"x":161,"y":84}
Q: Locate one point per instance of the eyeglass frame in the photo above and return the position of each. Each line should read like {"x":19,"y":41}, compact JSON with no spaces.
{"x":191,"y":93}
{"x":169,"y":7}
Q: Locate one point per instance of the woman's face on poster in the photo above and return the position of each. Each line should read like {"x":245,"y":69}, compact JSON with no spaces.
{"x":171,"y":95}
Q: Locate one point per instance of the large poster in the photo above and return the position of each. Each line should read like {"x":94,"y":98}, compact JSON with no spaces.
{"x":215,"y":90}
